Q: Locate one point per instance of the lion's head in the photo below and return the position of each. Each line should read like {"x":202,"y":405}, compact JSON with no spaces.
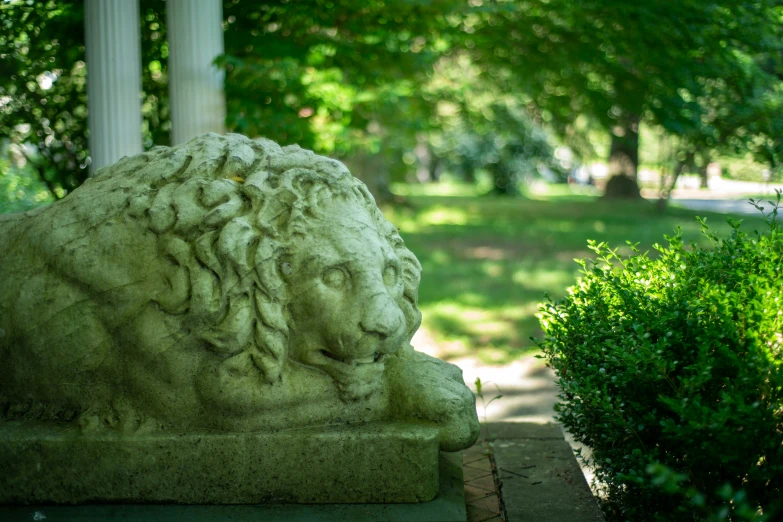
{"x":288,"y":259}
{"x":345,"y":294}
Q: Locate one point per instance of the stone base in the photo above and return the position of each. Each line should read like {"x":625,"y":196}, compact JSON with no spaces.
{"x":448,"y":506}
{"x":373,"y":463}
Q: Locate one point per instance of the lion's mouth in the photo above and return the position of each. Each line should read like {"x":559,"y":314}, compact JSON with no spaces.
{"x":355,"y":377}
{"x":374,"y":358}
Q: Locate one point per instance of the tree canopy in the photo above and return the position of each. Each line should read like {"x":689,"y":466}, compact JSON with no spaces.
{"x":483,"y":85}
{"x":706,"y":71}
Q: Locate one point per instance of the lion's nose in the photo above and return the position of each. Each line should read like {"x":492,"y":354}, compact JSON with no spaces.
{"x":382,"y":317}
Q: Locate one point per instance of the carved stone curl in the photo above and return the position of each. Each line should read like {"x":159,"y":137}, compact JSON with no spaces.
{"x":226,"y":284}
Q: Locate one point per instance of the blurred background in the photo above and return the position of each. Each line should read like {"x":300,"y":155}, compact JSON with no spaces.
{"x":497,"y":135}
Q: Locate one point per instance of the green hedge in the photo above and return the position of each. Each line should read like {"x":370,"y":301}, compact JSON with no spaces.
{"x":671,"y":371}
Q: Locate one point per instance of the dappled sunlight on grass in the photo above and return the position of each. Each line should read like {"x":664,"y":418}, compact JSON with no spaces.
{"x":543,"y":280}
{"x":443,"y":189}
{"x":488,"y":261}
{"x":496,"y":330}
{"x":599,"y":226}
{"x":435,"y":216}
{"x":443,"y":216}
{"x":561,"y":191}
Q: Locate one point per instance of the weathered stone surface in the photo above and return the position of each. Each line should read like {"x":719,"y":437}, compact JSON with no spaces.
{"x":226,"y":285}
{"x":539,"y":476}
{"x":448,"y":506}
{"x":381,"y":462}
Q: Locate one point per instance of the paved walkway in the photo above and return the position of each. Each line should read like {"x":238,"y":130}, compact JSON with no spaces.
{"x":724,"y":196}
{"x":725,"y":206}
{"x":482,"y":495}
{"x":528,"y":472}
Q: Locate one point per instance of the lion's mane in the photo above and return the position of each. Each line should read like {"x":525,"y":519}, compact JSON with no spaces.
{"x":220,"y":213}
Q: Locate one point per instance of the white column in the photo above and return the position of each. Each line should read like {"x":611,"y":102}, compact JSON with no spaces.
{"x":196,"y":96}
{"x":113,"y":49}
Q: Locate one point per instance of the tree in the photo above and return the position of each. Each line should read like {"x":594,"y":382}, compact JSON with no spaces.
{"x":344,"y":78}
{"x":480,"y":126}
{"x":666,"y":62}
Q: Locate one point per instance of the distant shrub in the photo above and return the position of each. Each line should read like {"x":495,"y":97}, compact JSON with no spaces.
{"x":746,"y":169}
{"x":671,"y":371}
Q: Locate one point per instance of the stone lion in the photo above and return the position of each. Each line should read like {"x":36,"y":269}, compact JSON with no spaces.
{"x":225,"y":284}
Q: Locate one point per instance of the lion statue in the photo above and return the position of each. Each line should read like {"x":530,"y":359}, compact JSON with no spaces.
{"x":225,"y":284}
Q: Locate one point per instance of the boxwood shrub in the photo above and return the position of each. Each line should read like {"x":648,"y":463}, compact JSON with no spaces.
{"x":670,"y":370}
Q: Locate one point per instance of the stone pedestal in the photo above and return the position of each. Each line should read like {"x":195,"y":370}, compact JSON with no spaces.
{"x":113,"y":49}
{"x":183,"y":316}
{"x":448,"y":506}
{"x":379,"y":462}
{"x":196,"y":95}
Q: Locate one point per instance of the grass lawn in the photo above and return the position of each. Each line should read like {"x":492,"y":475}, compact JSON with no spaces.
{"x":488,"y":261}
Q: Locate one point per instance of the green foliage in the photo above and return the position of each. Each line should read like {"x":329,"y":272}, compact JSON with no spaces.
{"x":43,"y":86}
{"x":156,"y":126}
{"x":511,"y":150}
{"x":482,"y":85}
{"x":20,"y":189}
{"x":671,"y":370}
{"x":476,"y":128}
{"x":335,"y":76}
{"x":707,"y":71}
{"x":43,"y":100}
{"x":480,"y":394}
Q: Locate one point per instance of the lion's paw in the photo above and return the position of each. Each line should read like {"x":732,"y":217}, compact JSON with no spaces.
{"x":433,"y":390}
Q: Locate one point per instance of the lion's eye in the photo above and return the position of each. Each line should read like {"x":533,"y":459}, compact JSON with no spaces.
{"x":390,"y":275}
{"x":335,"y":277}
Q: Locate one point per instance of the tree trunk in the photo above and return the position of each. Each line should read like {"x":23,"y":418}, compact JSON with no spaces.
{"x":424,"y":156}
{"x":688,"y":164}
{"x":469,"y":174}
{"x":624,"y":161}
{"x":703,"y":177}
{"x":435,"y":166}
{"x":506,"y":181}
{"x":667,"y":185}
